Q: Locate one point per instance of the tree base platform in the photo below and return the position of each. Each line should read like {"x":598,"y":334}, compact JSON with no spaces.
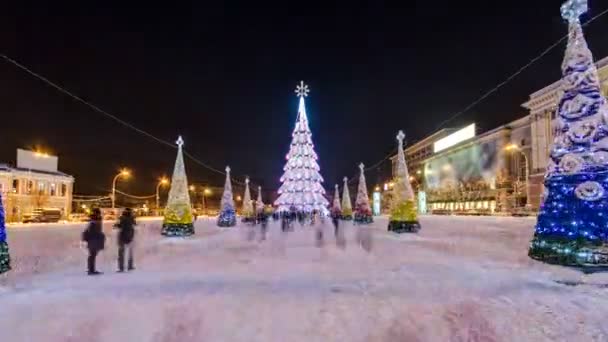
{"x":573,"y":253}
{"x":179,"y":230}
{"x":401,"y":227}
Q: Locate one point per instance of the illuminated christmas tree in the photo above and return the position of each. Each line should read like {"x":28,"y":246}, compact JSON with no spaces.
{"x":247,"y":203}
{"x":5,"y":258}
{"x":336,"y":209}
{"x":404,"y":218}
{"x":363,"y":211}
{"x":227,"y":217}
{"x":301,"y":188}
{"x":259,"y":204}
{"x":178,"y":213}
{"x":572,"y":227}
{"x":347,"y":207}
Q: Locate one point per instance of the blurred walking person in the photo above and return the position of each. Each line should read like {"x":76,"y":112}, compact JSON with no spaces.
{"x":126,"y":235}
{"x":95,"y":239}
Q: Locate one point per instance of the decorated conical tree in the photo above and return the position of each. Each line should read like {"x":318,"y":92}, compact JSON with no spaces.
{"x":5,"y":258}
{"x":247,"y":212}
{"x":227,"y":217}
{"x":363,"y":211}
{"x":403,"y":218}
{"x":178,"y":213}
{"x":336,"y":208}
{"x":259,"y":204}
{"x":572,"y":226}
{"x":347,"y":207}
{"x":301,"y":189}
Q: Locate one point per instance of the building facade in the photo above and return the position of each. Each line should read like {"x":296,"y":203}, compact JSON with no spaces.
{"x":35,"y":183}
{"x":501,"y":170}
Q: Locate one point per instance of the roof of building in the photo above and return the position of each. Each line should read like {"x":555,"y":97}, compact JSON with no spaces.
{"x":8,"y":168}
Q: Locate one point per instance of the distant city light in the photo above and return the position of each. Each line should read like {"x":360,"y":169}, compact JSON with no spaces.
{"x":454,"y":138}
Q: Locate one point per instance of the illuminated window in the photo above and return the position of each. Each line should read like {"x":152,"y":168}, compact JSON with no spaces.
{"x":41,"y":188}
{"x":30,"y":187}
{"x":53,"y":189}
{"x":64,"y":190}
{"x":15,"y":188}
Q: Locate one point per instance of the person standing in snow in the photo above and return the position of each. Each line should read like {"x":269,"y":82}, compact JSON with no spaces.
{"x":126,"y":235}
{"x":95,"y":239}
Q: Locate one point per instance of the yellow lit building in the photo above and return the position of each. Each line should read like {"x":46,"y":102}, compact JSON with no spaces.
{"x":35,"y":183}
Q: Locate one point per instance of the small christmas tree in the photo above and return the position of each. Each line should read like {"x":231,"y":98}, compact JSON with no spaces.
{"x":347,"y":207}
{"x":227,"y":217}
{"x":363,"y":211}
{"x":301,"y":189}
{"x":404,"y":218}
{"x":178,"y":213}
{"x":336,"y":209}
{"x":572,"y":227}
{"x":247,"y":203}
{"x":5,"y":258}
{"x":259,"y":205}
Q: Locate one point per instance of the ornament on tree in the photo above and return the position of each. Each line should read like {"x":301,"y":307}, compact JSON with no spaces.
{"x":5,"y":258}
{"x":227,"y":217}
{"x":336,"y":209}
{"x":248,"y":212}
{"x":301,"y":188}
{"x":347,"y":207}
{"x":572,"y":223}
{"x":363,"y":211}
{"x":178,"y":213}
{"x":403,"y":218}
{"x":259,"y":205}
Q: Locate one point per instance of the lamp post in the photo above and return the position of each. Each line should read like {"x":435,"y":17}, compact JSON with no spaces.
{"x":161,"y":182}
{"x":206,"y":192}
{"x":515,"y":147}
{"x":123,"y":173}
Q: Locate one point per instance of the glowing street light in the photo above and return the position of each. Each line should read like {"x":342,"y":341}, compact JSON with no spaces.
{"x":161,"y":182}
{"x":206,"y":192}
{"x":125,"y":173}
{"x":513,"y":148}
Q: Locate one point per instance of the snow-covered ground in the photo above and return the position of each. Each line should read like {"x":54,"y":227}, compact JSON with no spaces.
{"x":459,"y":279}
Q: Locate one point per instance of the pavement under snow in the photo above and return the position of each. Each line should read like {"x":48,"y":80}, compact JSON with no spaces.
{"x":459,"y":279}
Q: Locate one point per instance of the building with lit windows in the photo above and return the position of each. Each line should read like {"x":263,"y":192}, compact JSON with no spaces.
{"x":35,"y":183}
{"x":501,"y":170}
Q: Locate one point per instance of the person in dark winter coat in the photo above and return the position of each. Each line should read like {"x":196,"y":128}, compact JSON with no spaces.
{"x":95,"y":239}
{"x":126,"y":235}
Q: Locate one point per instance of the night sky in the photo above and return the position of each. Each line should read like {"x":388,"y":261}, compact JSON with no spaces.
{"x":223,"y":74}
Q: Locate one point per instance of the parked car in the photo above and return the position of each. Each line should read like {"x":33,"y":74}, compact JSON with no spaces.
{"x":43,"y":215}
{"x":79,"y":217}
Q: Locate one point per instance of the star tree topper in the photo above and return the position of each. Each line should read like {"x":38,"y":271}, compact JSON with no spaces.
{"x":400,"y":137}
{"x":361,"y":166}
{"x":302,"y":90}
{"x":180,"y":142}
{"x":573,"y":9}
{"x":227,"y":169}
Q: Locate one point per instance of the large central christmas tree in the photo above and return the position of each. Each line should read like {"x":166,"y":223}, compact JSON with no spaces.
{"x":178,"y":213}
{"x":572,"y":227}
{"x":301,"y":189}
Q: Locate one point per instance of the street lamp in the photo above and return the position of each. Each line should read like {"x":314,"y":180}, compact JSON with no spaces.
{"x":206,"y":192}
{"x":515,"y":147}
{"x":123,"y":173}
{"x":161,"y":182}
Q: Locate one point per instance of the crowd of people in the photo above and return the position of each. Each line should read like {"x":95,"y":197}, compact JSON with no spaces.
{"x":95,"y":239}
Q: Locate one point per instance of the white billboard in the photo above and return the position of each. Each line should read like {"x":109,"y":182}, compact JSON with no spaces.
{"x":36,"y":161}
{"x":454,"y":138}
